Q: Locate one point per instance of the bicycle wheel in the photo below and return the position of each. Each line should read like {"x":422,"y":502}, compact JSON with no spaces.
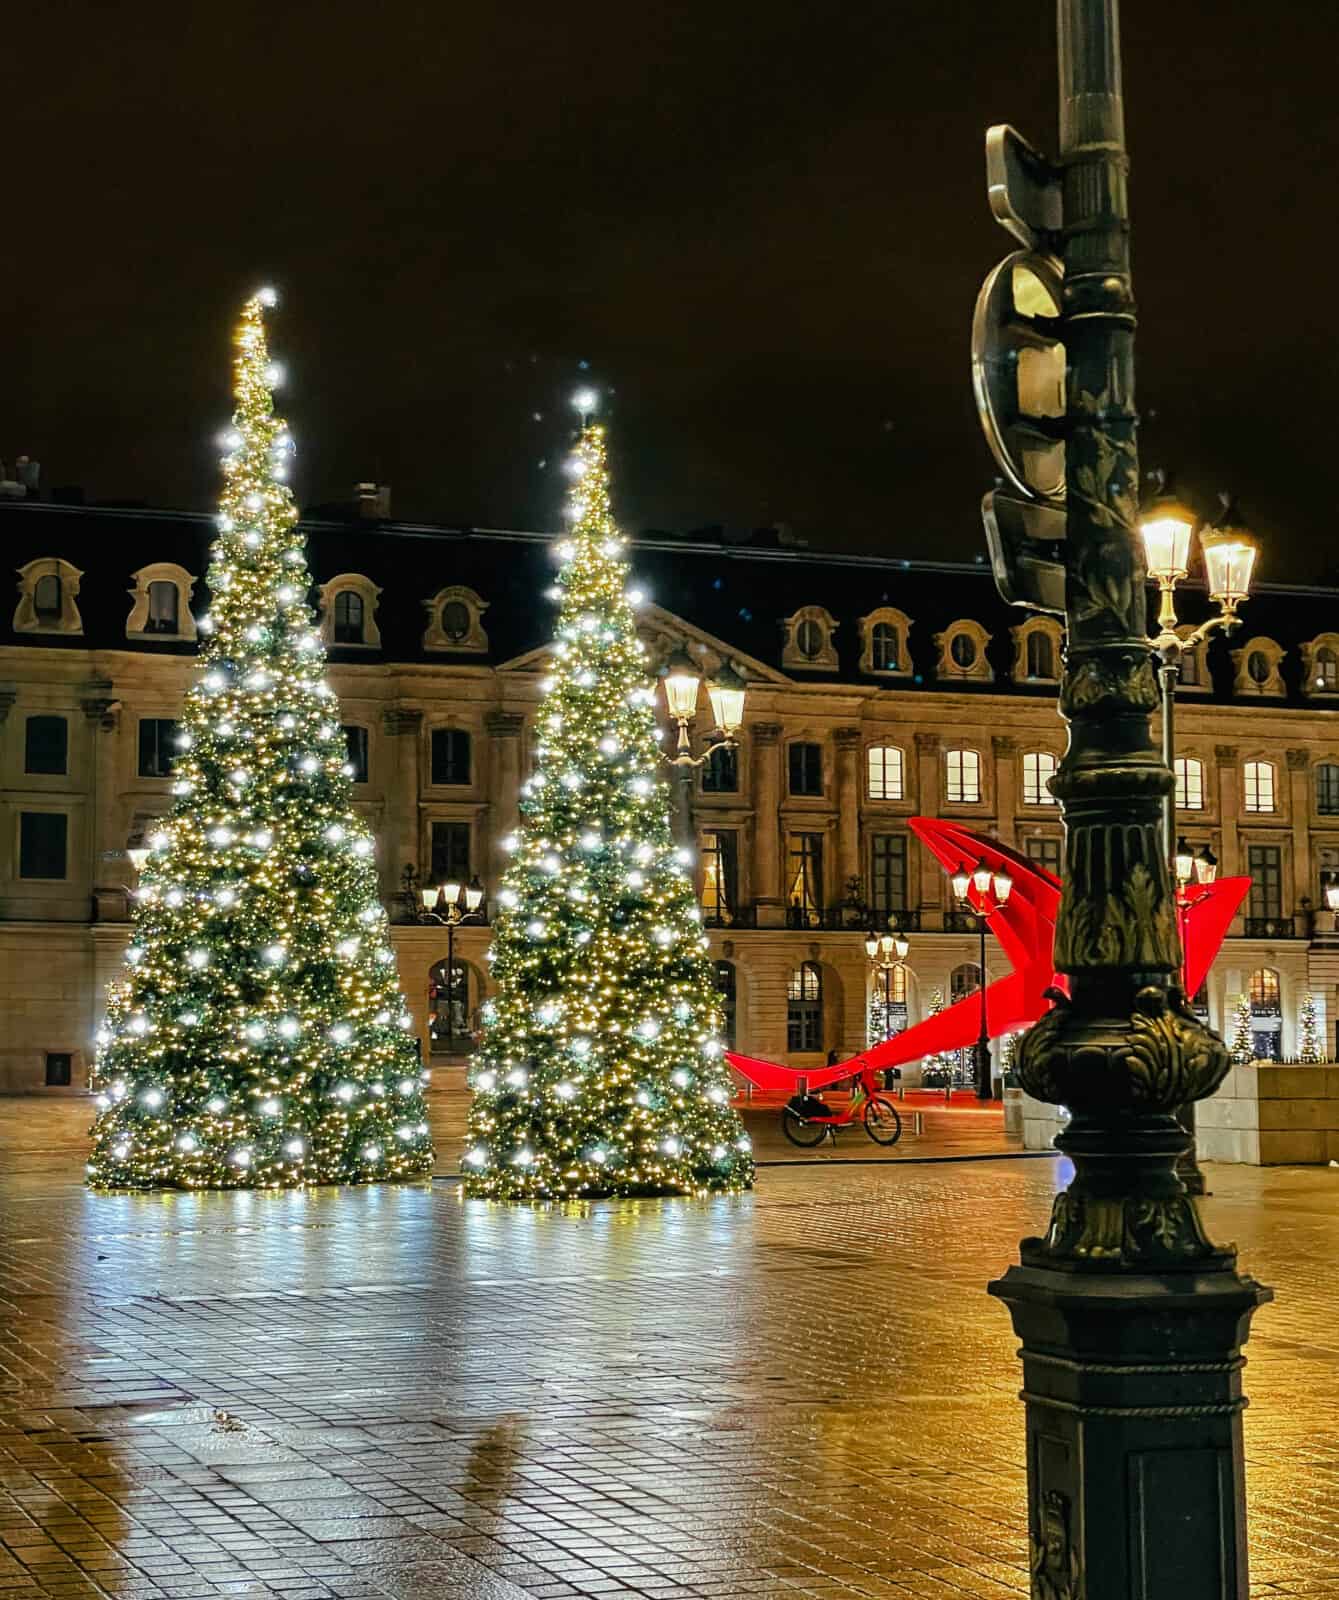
{"x":882,"y":1122}
{"x":799,"y":1130}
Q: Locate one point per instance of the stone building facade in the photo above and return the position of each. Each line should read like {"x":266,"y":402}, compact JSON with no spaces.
{"x":877,"y":690}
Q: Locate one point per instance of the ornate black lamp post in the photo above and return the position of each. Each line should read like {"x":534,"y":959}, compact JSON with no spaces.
{"x":450,"y":905}
{"x":726,"y":691}
{"x":1131,"y":1320}
{"x":992,"y":889}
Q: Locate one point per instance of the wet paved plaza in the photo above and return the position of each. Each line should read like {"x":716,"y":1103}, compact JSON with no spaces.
{"x":392,"y":1392}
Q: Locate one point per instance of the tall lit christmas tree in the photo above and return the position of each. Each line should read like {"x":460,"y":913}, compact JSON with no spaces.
{"x":600,"y":1069}
{"x":1309,"y":1045}
{"x":258,"y":1038}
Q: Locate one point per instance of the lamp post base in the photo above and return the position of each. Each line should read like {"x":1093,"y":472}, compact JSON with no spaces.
{"x":1136,"y":1472}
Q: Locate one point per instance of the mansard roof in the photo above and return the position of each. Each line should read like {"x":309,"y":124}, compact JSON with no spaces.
{"x":738,"y":593}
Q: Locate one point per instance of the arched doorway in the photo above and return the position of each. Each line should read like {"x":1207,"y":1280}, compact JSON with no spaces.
{"x":451,"y":1006}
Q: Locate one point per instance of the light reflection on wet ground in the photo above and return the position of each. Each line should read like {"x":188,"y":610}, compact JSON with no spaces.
{"x":397,"y":1393}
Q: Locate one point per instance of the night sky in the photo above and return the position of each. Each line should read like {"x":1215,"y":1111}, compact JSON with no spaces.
{"x":763,"y":226}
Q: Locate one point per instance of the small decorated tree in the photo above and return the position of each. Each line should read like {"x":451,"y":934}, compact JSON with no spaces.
{"x":1242,"y":1045}
{"x":258,"y":1038}
{"x":1309,"y":1045}
{"x":600,"y":1070}
{"x":937,"y":1069}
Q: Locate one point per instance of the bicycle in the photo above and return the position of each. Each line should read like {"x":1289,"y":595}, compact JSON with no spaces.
{"x":807,"y":1119}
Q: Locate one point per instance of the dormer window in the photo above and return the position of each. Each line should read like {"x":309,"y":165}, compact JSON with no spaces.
{"x":161,"y":603}
{"x":1037,"y":651}
{"x":1257,"y":664}
{"x":455,"y":621}
{"x":962,"y":652}
{"x":808,"y":640}
{"x":883,"y":643}
{"x":1320,"y":666}
{"x":47,"y":591}
{"x":349,"y":612}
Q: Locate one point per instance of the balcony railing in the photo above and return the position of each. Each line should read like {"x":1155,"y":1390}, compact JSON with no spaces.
{"x":1271,"y":928}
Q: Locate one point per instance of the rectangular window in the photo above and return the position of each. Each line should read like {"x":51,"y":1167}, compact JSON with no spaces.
{"x":46,"y":745}
{"x":450,"y":755}
{"x":720,"y":772}
{"x":42,"y":844}
{"x":962,"y":776}
{"x":1189,"y":784}
{"x":164,"y":608}
{"x":1264,"y":862}
{"x":1038,"y":770}
{"x":157,"y":746}
{"x":1327,"y":789}
{"x":806,"y":769}
{"x":720,"y":875}
{"x":1259,"y":781}
{"x":450,"y":852}
{"x":59,"y":1064}
{"x":1045,"y":852}
{"x":883,"y":764}
{"x":355,"y":740}
{"x":887,"y":876}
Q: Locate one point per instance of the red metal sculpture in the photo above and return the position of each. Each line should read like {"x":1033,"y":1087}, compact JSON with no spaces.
{"x":1025,"y":929}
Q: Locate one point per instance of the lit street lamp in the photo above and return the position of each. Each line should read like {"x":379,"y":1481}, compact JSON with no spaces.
{"x":888,"y":954}
{"x":449,"y":905}
{"x":1229,"y":559}
{"x":980,"y":892}
{"x":1229,"y":553}
{"x":726,"y":691}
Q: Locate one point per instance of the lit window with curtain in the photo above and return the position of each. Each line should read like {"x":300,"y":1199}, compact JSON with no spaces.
{"x":1189,"y":784}
{"x":805,"y":893}
{"x":962,"y":777}
{"x":164,"y":608}
{"x":885,"y":769}
{"x":1038,"y":770}
{"x":720,"y":876}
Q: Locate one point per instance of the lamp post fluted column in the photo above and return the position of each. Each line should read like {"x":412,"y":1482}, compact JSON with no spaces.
{"x":1131,"y":1320}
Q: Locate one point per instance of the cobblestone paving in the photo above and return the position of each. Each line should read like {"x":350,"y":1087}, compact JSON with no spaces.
{"x":392,"y":1392}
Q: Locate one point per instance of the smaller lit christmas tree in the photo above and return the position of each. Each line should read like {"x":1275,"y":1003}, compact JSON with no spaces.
{"x":937,"y":1069}
{"x":1243,"y":1034}
{"x":1309,"y":1046}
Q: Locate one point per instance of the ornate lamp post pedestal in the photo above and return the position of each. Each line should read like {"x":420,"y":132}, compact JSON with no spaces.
{"x":1131,"y":1321}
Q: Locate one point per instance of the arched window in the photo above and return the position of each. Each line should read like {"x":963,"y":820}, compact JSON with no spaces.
{"x":884,"y":652}
{"x":884,"y":766}
{"x":962,"y":648}
{"x":1265,"y":992}
{"x":964,"y":980}
{"x":164,"y":608}
{"x":1258,"y":668}
{"x":449,"y":1021}
{"x":349,"y":612}
{"x":47,"y":598}
{"x":456,"y":620}
{"x":1258,"y":777}
{"x":809,"y":638}
{"x":804,"y":1009}
{"x":962,"y":777}
{"x":1189,"y":784}
{"x":1327,"y":789}
{"x":1040,"y":655}
{"x":1326,"y":670}
{"x":1038,"y":770}
{"x":727,"y":994}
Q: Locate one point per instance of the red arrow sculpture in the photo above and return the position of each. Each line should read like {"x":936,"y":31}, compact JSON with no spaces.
{"x":1025,"y":928}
